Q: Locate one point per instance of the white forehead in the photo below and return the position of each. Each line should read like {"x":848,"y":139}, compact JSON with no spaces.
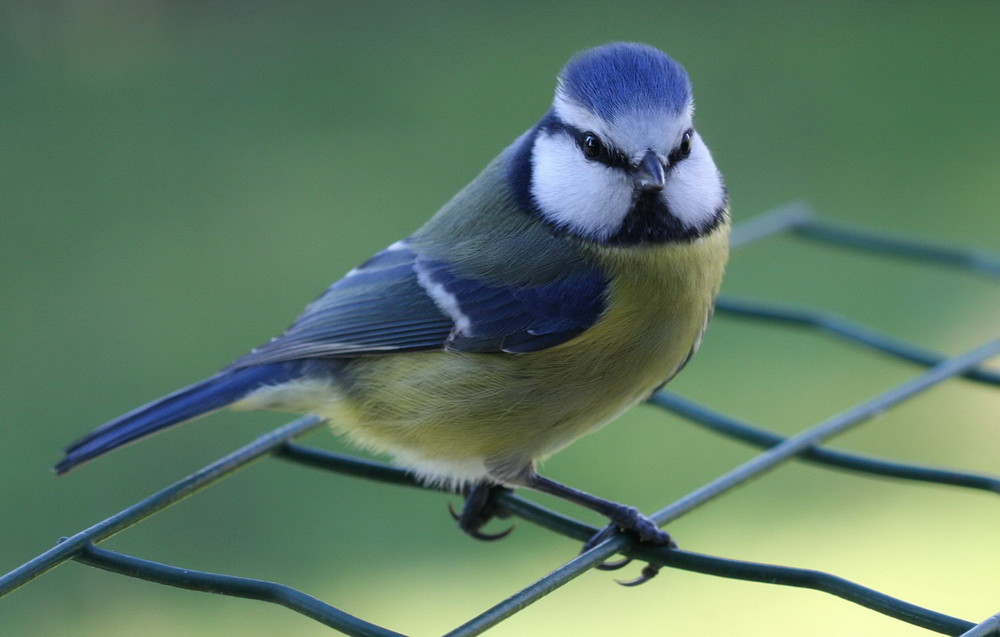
{"x":633,"y":132}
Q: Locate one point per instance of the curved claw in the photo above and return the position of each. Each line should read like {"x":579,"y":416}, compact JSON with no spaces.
{"x":614,"y":565}
{"x":470,"y":522}
{"x":490,"y":537}
{"x":640,"y":526}
{"x":610,"y":565}
{"x":648,"y":572}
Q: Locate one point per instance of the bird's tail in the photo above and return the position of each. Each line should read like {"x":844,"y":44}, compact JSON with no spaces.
{"x":225,"y":388}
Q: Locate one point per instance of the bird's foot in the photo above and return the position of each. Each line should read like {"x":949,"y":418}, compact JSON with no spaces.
{"x":481,"y":507}
{"x":630,"y":520}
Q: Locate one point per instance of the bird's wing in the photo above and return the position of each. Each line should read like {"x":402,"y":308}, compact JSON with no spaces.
{"x":492,"y":317}
{"x":400,"y":300}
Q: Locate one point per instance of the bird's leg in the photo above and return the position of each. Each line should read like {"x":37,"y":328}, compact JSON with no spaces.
{"x":622,"y":517}
{"x":481,"y":507}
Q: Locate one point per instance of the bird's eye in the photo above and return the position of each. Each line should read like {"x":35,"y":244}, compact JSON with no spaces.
{"x":685,"y":147}
{"x":592,"y":146}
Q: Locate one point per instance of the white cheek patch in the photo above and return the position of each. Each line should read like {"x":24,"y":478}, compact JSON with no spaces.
{"x":588,"y":197}
{"x":694,"y":191}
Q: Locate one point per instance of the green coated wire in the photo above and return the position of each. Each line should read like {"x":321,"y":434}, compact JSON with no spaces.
{"x":843,"y":328}
{"x":852,"y":461}
{"x":803,"y":441}
{"x":134,"y":514}
{"x":988,"y":628}
{"x":243,"y":587}
{"x":848,"y":236}
{"x":755,"y":467}
{"x":706,"y":564}
{"x":799,"y":219}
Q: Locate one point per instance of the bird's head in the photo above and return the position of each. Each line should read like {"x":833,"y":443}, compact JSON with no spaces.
{"x":617,"y":159}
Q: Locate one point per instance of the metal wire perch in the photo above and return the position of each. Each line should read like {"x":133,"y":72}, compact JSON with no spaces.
{"x":796,"y":219}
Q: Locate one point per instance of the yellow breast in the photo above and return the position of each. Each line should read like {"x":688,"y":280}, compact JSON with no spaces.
{"x":456,"y":408}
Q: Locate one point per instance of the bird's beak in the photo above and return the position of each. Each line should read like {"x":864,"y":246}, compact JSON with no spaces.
{"x":648,"y":174}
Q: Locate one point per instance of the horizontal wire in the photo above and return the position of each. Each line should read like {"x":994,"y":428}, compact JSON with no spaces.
{"x":372,"y":470}
{"x":815,"y":580}
{"x":233,"y":586}
{"x":753,"y":468}
{"x":795,"y":217}
{"x":772,"y":222}
{"x":757,"y":436}
{"x":808,"y":438}
{"x":843,"y":234}
{"x":134,"y":514}
{"x":685,"y":560}
{"x":800,"y":219}
{"x":349,"y":465}
{"x":780,"y":453}
{"x":844,"y":328}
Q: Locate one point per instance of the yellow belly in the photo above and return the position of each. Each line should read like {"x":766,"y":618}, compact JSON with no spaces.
{"x":461,"y":416}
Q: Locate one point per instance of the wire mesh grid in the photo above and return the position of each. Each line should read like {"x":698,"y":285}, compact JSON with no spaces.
{"x":796,"y":219}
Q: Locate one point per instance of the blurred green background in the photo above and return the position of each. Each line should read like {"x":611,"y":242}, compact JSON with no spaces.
{"x":178,"y":179}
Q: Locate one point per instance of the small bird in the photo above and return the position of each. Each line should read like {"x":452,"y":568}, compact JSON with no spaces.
{"x":573,"y":277}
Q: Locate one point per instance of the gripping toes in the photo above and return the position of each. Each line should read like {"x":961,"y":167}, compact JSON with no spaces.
{"x":630,"y":519}
{"x":480,"y":507}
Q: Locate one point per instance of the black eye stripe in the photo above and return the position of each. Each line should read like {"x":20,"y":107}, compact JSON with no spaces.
{"x":610,"y":156}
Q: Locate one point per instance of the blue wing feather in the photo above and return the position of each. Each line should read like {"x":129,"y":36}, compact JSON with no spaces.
{"x":468,"y":282}
{"x":394,"y":302}
{"x":518,"y":319}
{"x":193,"y":401}
{"x":378,"y":308}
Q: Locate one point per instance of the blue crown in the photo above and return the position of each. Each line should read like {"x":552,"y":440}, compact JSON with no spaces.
{"x":623,"y":77}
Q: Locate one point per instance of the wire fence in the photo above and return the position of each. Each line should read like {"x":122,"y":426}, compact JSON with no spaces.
{"x":796,"y":219}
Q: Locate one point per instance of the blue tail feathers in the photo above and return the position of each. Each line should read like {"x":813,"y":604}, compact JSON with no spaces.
{"x":216,"y":392}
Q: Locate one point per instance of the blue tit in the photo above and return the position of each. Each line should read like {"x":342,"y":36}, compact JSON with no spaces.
{"x":567,"y":282}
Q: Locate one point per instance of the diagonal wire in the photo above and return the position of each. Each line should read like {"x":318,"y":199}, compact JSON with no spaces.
{"x":798,"y":443}
{"x":775,"y":221}
{"x":794,"y":216}
{"x":989,"y":628}
{"x":153,"y":504}
{"x":797,"y":218}
{"x":843,"y":328}
{"x":686,"y":560}
{"x":886,"y":244}
{"x":762,"y":463}
{"x":734,"y":428}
